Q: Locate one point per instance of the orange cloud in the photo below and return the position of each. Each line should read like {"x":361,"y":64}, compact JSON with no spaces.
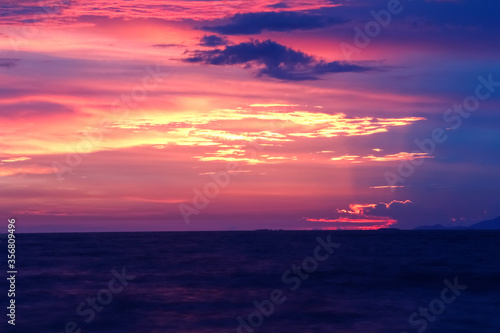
{"x":234,"y":128}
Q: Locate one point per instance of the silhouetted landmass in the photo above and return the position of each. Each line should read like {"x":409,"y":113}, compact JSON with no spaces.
{"x":431,"y":227}
{"x":487,"y":225}
{"x":484,"y":225}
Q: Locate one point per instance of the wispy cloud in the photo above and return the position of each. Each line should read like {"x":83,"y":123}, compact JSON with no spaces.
{"x":384,"y":158}
{"x":15,"y":159}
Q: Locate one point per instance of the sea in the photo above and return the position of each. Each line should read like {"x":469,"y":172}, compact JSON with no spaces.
{"x":256,"y":281}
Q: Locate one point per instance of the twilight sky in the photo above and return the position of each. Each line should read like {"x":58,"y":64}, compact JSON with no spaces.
{"x":238,"y":114}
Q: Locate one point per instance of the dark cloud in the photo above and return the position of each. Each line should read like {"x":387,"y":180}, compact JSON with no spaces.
{"x":393,"y":209}
{"x":274,"y":60}
{"x":8,"y":62}
{"x":255,"y":23}
{"x":408,"y":214}
{"x":213,"y":40}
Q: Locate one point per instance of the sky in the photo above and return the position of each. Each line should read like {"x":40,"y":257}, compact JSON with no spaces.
{"x":162,"y":115}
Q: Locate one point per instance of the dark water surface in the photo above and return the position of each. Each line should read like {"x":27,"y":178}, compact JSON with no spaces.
{"x":203,"y":281}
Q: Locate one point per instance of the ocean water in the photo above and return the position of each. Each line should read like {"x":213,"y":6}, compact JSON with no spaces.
{"x":202,"y":282}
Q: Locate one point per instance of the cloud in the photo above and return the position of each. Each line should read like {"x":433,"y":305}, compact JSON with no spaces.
{"x":8,"y":62}
{"x":366,"y":216}
{"x":406,"y":213}
{"x":394,"y":208}
{"x":213,"y":40}
{"x":402,"y":156}
{"x":274,"y":60}
{"x":29,"y":169}
{"x":167,"y":45}
{"x":228,"y":132}
{"x":68,"y":11}
{"x":356,"y":224}
{"x":255,"y":23}
{"x":15,"y":159}
{"x":385,"y":187}
{"x":279,"y":5}
{"x":32,"y":109}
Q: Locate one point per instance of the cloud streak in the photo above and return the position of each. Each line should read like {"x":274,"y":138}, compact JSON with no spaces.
{"x":402,"y":156}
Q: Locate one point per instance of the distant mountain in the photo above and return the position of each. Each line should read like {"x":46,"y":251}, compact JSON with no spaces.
{"x":438,"y":227}
{"x":484,"y":225}
{"x":487,"y":225}
{"x":431,"y":227}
